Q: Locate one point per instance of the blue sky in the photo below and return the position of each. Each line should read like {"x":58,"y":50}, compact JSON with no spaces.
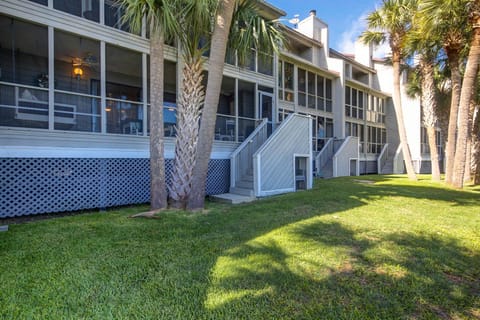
{"x":344,"y":17}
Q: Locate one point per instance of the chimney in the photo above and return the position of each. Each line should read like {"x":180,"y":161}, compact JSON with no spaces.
{"x":313,"y":13}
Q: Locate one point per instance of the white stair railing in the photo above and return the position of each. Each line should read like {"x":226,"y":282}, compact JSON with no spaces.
{"x":241,"y":160}
{"x":324,"y":155}
{"x":398,"y":165}
{"x":382,"y":158}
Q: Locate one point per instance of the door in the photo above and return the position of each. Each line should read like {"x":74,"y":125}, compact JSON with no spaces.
{"x":265,"y":108}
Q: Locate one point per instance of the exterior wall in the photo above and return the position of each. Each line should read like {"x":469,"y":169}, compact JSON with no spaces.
{"x":317,"y":30}
{"x":274,"y":162}
{"x":339,"y":97}
{"x":342,"y":159}
{"x":411,"y":112}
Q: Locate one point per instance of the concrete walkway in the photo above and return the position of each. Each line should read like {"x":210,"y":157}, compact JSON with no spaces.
{"x":232,"y":198}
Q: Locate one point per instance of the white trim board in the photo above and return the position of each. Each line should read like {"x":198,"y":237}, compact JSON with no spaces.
{"x":101,"y":153}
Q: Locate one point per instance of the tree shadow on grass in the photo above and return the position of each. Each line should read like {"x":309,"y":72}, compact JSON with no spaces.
{"x":370,"y":187}
{"x":346,"y":276}
{"x":268,"y":259}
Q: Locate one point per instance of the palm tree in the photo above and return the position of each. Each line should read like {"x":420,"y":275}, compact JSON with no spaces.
{"x":391,"y":22}
{"x":429,"y":108}
{"x":425,"y":48}
{"x":422,"y":83}
{"x":467,"y":94}
{"x":447,"y":19}
{"x":162,"y":23}
{"x":248,"y":31}
{"x":223,"y":20}
{"x":195,"y":19}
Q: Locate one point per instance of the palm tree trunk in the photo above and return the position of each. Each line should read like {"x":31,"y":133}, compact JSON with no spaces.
{"x":188,"y":115}
{"x":476,"y":146}
{"x":397,"y":103}
{"x":429,"y":112}
{"x":429,"y":108}
{"x":456,"y":78}
{"x":468,"y":162}
{"x":468,"y":89}
{"x":218,"y":50}
{"x":158,"y":190}
{"x":432,"y":143}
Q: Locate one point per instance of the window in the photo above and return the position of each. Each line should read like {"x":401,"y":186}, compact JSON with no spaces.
{"x":77,"y":70}
{"x":225,"y":123}
{"x":113,"y":16}
{"x":265,"y":63}
{"x":376,"y":139}
{"x":24,"y":74}
{"x":88,"y":9}
{"x":356,"y":130}
{"x":249,"y":62}
{"x":320,"y":93}
{"x":285,"y":78}
{"x":302,"y":87}
{"x":354,"y":103}
{"x":283,"y":114}
{"x":375,"y":109}
{"x":311,"y":90}
{"x":124,"y":90}
{"x":43,"y":2}
{"x":348,"y":102}
{"x":328,"y":95}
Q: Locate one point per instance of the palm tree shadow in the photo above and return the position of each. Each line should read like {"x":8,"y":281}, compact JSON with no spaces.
{"x":369,"y":187}
{"x":347,"y":277}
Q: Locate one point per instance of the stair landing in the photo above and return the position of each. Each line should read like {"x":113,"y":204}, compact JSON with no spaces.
{"x":232,"y":198}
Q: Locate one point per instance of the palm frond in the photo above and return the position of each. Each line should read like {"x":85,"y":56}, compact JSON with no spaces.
{"x":251,"y":31}
{"x":375,"y":37}
{"x":160,"y":15}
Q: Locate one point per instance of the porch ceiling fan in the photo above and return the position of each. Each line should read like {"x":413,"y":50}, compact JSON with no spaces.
{"x":88,"y":60}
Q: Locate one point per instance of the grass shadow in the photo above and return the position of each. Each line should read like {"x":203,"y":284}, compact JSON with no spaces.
{"x":424,"y":277}
{"x":289,"y":256}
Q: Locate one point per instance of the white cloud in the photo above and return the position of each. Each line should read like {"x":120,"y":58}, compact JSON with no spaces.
{"x":348,"y":37}
{"x":346,"y":44}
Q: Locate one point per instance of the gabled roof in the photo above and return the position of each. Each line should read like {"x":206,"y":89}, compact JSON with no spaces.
{"x":300,"y":37}
{"x":269,"y":11}
{"x":351,"y":60}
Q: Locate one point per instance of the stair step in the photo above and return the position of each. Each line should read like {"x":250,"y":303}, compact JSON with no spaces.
{"x":248,"y":177}
{"x":244,"y":184}
{"x":242,"y":191}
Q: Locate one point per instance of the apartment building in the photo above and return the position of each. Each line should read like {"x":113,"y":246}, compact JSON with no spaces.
{"x":74,"y":106}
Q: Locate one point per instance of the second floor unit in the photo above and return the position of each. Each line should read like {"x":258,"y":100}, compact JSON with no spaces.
{"x":73,"y":67}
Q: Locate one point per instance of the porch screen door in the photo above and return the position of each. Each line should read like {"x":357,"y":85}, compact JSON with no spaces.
{"x":265,"y":109}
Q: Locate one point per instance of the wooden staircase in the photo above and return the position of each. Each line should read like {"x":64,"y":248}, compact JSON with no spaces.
{"x":244,"y":186}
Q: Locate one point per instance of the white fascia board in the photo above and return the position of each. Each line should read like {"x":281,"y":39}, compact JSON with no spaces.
{"x":102,"y":153}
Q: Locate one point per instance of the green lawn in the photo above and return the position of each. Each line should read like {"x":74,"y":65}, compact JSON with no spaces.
{"x":349,"y":249}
